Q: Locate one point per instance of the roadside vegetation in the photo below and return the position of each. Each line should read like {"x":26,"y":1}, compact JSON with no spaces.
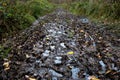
{"x":103,"y":12}
{"x":16,"y":15}
{"x":98,"y":9}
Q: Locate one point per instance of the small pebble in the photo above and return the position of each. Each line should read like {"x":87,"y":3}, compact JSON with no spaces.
{"x":62,"y":45}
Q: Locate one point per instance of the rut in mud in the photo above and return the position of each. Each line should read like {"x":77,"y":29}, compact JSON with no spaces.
{"x":61,"y":46}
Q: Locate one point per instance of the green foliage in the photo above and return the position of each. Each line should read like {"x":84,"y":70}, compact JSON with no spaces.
{"x":114,"y":28}
{"x":98,"y":9}
{"x":40,"y":7}
{"x":29,"y":18}
{"x":16,"y":14}
{"x":4,"y":51}
{"x":103,"y":12}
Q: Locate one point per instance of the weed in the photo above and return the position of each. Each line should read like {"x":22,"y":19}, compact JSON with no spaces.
{"x":17,"y":15}
{"x":4,"y":51}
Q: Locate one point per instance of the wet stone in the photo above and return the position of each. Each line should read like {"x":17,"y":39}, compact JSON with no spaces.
{"x":85,"y":20}
{"x":75,"y":72}
{"x":62,"y":46}
{"x":58,"y":60}
{"x":46,"y":53}
{"x":55,"y":74}
{"x":52,"y":47}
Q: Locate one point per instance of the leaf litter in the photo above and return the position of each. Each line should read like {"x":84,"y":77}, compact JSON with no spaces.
{"x":62,"y":46}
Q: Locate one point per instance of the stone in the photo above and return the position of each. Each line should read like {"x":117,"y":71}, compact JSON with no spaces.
{"x":62,"y":45}
{"x":57,"y":61}
{"x":75,"y":72}
{"x":52,"y":47}
{"x":55,"y":74}
{"x":46,"y":53}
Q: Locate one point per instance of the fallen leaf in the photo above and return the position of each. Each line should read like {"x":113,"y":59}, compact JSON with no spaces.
{"x":30,"y":78}
{"x":108,"y":71}
{"x":70,"y":53}
{"x":27,"y":56}
{"x":6,"y":65}
{"x":93,"y":78}
{"x":81,"y":31}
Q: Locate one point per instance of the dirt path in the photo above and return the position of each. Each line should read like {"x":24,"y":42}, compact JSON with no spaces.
{"x":61,"y":46}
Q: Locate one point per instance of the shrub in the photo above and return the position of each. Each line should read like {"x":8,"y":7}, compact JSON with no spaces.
{"x":40,"y":7}
{"x":19,"y":14}
{"x":99,"y":9}
{"x":4,"y":51}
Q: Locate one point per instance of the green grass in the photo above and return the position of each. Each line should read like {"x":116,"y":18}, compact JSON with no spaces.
{"x":100,"y":9}
{"x":19,"y":15}
{"x":101,"y":12}
{"x":4,"y":51}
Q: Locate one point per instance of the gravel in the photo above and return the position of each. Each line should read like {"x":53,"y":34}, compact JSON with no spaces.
{"x":62,"y":46}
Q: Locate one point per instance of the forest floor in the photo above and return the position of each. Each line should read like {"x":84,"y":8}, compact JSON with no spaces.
{"x":62,"y":46}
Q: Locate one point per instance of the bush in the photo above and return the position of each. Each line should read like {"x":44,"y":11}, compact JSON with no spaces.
{"x":4,"y":51}
{"x":19,"y":14}
{"x":98,"y":9}
{"x":39,"y":7}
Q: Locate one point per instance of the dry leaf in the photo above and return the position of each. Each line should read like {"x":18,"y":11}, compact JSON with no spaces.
{"x":81,"y":31}
{"x":93,"y":78}
{"x":6,"y":65}
{"x":70,"y":53}
{"x":27,"y":56}
{"x":30,"y":78}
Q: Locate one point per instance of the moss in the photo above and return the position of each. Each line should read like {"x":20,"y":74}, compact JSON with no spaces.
{"x":29,"y":18}
{"x":4,"y":51}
